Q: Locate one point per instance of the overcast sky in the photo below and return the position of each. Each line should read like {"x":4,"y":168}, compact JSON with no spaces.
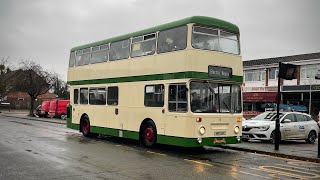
{"x":46,"y":30}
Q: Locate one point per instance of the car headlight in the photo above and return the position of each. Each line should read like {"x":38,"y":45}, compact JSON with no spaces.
{"x":236,"y":129}
{"x":263,"y":128}
{"x":202,"y":130}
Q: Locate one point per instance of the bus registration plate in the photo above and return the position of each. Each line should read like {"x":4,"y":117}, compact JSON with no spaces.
{"x":219,"y":140}
{"x":246,"y":136}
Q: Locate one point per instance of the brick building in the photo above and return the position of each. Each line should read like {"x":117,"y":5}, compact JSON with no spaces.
{"x":21,"y":100}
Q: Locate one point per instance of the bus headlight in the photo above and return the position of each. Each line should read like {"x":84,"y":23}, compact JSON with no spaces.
{"x":202,"y":130}
{"x":236,"y":129}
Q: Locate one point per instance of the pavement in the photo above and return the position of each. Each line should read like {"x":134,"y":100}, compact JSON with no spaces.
{"x":24,"y":115}
{"x":299,"y":150}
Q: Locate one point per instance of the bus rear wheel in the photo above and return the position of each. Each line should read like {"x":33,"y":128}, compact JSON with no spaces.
{"x":85,"y":127}
{"x":149,"y":134}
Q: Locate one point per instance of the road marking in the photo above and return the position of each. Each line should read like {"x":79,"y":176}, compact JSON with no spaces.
{"x":288,"y":171}
{"x":275,"y":157}
{"x":304,"y":164}
{"x":254,"y":175}
{"x":198,"y":162}
{"x":297,"y":167}
{"x":275,"y":173}
{"x":157,"y":153}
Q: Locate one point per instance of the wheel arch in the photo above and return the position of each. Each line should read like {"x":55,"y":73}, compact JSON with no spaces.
{"x":314,"y":132}
{"x":141,"y":126}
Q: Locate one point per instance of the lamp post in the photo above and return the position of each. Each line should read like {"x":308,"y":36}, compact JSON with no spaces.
{"x":318,"y":77}
{"x":310,"y":98}
{"x":288,"y":72}
{"x":310,"y":91}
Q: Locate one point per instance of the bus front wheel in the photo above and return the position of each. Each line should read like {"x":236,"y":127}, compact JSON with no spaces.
{"x":149,"y":134}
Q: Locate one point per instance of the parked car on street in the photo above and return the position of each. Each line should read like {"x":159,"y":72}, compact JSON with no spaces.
{"x":43,"y":109}
{"x":58,"y":108}
{"x":293,"y":126}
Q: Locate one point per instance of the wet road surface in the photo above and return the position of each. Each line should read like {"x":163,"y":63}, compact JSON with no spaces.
{"x":39,"y":150}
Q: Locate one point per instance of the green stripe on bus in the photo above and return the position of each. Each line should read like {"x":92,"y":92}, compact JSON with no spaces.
{"x":162,"y":139}
{"x":203,"y":20}
{"x":178,"y":75}
{"x":193,"y":142}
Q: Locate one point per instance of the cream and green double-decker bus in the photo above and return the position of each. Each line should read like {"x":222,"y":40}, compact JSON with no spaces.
{"x":178,"y":83}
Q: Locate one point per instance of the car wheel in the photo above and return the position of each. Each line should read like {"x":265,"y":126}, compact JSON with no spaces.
{"x":149,"y":134}
{"x":311,"y":137}
{"x":63,"y":116}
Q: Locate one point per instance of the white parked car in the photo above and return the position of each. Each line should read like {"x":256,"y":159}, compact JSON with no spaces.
{"x":293,"y":125}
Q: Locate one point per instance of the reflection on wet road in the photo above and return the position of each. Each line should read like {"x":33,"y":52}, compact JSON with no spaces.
{"x":37,"y":150}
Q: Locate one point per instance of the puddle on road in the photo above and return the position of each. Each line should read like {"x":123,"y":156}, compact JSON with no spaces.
{"x":78,"y":138}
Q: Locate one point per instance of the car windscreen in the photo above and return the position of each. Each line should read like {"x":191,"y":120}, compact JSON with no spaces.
{"x":267,"y":116}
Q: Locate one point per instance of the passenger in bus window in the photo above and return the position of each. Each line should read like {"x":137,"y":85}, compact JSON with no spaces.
{"x":195,"y":102}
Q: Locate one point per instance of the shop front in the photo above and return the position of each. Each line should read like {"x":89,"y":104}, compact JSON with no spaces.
{"x":256,"y":100}
{"x":303,"y":95}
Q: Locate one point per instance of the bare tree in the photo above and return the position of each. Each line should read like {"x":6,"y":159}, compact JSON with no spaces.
{"x":60,"y":88}
{"x":6,"y":78}
{"x":34,"y":80}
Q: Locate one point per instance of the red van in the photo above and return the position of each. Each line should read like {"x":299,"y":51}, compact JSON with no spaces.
{"x":43,"y":109}
{"x":58,"y":108}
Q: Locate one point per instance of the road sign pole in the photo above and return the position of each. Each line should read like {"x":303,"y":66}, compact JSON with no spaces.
{"x":277,"y":133}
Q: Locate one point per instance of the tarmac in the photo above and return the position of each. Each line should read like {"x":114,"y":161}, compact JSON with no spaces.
{"x":299,"y":150}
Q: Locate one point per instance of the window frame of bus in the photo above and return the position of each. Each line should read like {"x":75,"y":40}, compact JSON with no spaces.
{"x":186,"y":39}
{"x":122,"y":42}
{"x":76,"y":96}
{"x":144,"y":39}
{"x":72,"y":59}
{"x":108,"y":96}
{"x":99,"y":50}
{"x":95,"y":100}
{"x":218,"y":36}
{"x":81,"y":102}
{"x":154,"y":93}
{"x":176,"y":102}
{"x":86,"y":51}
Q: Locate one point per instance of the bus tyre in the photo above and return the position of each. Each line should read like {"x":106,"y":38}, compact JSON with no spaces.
{"x":85,"y":126}
{"x":149,"y":134}
{"x":311,"y":137}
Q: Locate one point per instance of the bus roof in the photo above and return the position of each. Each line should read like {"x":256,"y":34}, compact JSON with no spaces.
{"x":194,"y":19}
